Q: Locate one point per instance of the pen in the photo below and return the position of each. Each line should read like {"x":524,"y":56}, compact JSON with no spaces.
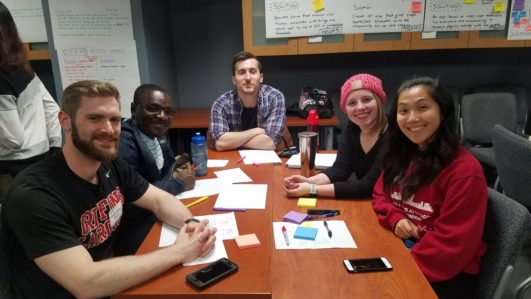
{"x":285,"y":233}
{"x":328,"y":229}
{"x":194,"y":167}
{"x":240,"y":160}
{"x":197,"y":201}
{"x":321,"y":211}
{"x":312,"y":217}
{"x":256,"y":164}
{"x":229,"y":209}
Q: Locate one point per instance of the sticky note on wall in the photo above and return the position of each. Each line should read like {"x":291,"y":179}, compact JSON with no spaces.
{"x":318,"y":5}
{"x":499,"y":7}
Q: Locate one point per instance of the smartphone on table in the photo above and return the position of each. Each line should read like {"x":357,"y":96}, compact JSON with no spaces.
{"x":212,"y":273}
{"x":367,"y":265}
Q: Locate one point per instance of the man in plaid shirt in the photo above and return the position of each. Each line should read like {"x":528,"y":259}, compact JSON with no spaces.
{"x":251,"y":116}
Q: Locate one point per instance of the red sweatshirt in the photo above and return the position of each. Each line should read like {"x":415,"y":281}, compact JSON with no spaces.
{"x":450,"y":214}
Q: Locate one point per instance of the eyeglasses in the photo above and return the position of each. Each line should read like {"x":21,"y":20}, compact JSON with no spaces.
{"x":157,"y":109}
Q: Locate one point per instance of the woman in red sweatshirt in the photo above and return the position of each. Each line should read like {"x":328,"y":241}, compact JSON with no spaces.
{"x":432,"y":192}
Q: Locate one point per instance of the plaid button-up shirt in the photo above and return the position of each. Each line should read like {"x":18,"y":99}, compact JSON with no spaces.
{"x":226,"y":114}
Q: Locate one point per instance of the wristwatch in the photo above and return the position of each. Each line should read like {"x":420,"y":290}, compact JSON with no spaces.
{"x":313,"y":190}
{"x":191,"y":220}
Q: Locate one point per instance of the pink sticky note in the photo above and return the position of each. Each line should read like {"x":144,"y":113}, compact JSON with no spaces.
{"x":516,"y":25}
{"x":416,"y":7}
{"x":528,"y":28}
{"x":524,"y":21}
{"x":247,"y":241}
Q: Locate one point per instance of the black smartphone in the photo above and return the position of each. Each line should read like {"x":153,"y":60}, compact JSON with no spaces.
{"x":212,"y":273}
{"x":367,"y":265}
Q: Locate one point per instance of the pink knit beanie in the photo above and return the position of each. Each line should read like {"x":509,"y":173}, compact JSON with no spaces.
{"x":361,"y":81}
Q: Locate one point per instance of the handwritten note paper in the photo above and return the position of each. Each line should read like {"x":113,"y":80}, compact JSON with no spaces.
{"x":518,"y":22}
{"x":459,"y":15}
{"x":29,"y":18}
{"x":289,"y":18}
{"x":75,"y":20}
{"x":114,"y":64}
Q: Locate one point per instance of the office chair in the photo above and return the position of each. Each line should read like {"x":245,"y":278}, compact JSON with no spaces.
{"x":479,"y":113}
{"x":505,"y":225}
{"x":520,"y":95}
{"x":513,"y":159}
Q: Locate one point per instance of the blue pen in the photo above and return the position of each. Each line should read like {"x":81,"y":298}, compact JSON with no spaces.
{"x":321,"y":216}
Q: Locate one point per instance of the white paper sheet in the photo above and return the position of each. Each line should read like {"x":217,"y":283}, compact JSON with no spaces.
{"x":29,"y":18}
{"x":234,"y":175}
{"x":242,"y":196}
{"x":216,"y":163}
{"x":259,"y":156}
{"x":341,"y":237}
{"x":204,"y":187}
{"x":227,"y":230}
{"x":322,"y":161}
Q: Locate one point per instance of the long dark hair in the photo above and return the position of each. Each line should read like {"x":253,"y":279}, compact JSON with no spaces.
{"x":426,"y":162}
{"x":12,"y":52}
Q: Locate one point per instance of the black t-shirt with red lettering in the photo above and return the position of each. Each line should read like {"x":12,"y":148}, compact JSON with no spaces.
{"x":49,"y":208}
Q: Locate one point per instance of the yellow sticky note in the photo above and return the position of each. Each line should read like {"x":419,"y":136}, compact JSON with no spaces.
{"x":318,"y":5}
{"x":470,"y":1}
{"x":307,"y":224}
{"x":305,"y":202}
{"x":499,"y":7}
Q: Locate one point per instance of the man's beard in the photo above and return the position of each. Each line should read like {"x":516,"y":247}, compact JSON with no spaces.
{"x":88,"y":148}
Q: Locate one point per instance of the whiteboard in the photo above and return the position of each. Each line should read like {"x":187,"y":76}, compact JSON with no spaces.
{"x":519,"y":23}
{"x":455,"y":15}
{"x":29,"y":18}
{"x":291,"y":18}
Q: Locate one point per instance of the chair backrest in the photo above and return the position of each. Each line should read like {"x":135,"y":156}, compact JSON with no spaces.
{"x":520,"y":95}
{"x":505,"y":225}
{"x":481,"y":111}
{"x":513,"y":161}
{"x":455,"y":93}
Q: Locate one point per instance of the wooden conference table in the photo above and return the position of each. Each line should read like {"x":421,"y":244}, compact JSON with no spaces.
{"x":198,"y":118}
{"x":265,"y":272}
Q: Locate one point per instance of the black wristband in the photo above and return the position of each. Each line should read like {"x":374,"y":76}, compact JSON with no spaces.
{"x":191,"y":220}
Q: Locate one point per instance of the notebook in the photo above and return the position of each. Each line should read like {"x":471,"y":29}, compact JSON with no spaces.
{"x":322,"y":161}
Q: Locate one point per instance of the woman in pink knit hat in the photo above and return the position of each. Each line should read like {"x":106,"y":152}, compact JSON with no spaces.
{"x":358,"y":162}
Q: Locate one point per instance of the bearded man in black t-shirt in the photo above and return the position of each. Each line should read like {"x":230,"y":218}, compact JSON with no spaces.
{"x":60,"y":215}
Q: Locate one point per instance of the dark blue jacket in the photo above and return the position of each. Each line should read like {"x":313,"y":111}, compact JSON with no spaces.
{"x":135,"y":152}
{"x":137,"y":222}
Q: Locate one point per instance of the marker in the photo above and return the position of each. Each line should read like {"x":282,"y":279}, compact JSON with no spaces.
{"x":285,"y":233}
{"x":230,"y":209}
{"x":240,"y":160}
{"x":197,"y":201}
{"x":328,"y":229}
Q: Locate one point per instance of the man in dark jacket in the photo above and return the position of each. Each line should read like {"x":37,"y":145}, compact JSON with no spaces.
{"x":144,"y":146}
